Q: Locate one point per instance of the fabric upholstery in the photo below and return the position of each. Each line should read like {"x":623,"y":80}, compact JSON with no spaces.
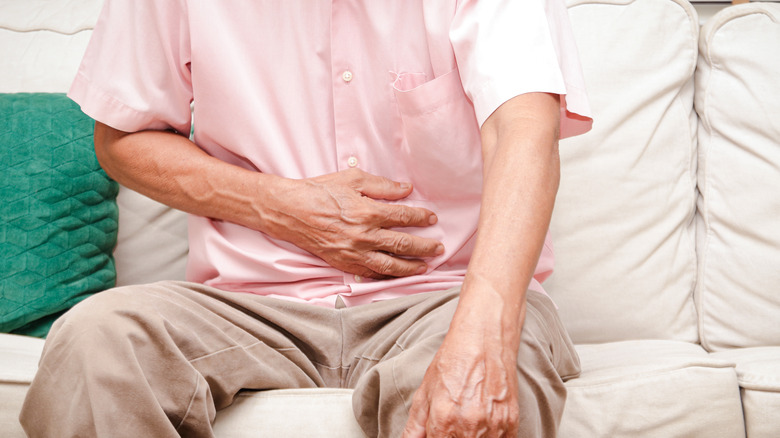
{"x":652,"y":388}
{"x":155,"y":232}
{"x":623,"y":221}
{"x":332,"y":406}
{"x":643,"y":386}
{"x":738,"y":294}
{"x":617,"y":377}
{"x":43,"y":42}
{"x":18,"y":363}
{"x":58,"y":218}
{"x":758,"y":373}
{"x":66,"y":17}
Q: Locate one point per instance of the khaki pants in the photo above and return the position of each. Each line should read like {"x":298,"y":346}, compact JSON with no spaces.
{"x":159,"y":360}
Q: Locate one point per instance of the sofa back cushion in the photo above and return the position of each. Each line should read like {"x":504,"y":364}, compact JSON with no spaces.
{"x":623,"y":221}
{"x":738,"y":101}
{"x":43,"y":42}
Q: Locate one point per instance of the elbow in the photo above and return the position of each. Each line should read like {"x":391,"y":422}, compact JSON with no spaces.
{"x":105,"y":141}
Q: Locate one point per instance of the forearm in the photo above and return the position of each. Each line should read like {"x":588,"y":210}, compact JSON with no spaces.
{"x":171,"y":169}
{"x":338,"y":217}
{"x":521,"y":174}
{"x":471,"y":385}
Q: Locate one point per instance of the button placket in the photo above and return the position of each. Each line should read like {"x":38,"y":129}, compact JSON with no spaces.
{"x":349,"y":114}
{"x":346,"y":88}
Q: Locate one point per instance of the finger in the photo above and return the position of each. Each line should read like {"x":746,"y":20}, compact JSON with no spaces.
{"x":418,"y":417}
{"x":506,"y":417}
{"x":397,"y":215}
{"x":379,"y":187}
{"x":414,"y":429}
{"x":390,"y":266}
{"x":364,"y":272}
{"x":408,"y":245}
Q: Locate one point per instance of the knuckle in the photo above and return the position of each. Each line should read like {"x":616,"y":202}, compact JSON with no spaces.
{"x":443,"y":414}
{"x":373,"y":215}
{"x":353,"y":173}
{"x":359,"y":267}
{"x":431,"y":246}
{"x":381,"y":241}
{"x":404,"y":216}
{"x":403,"y":245}
{"x":474,"y":422}
{"x":513,"y":416}
{"x":359,"y":215}
{"x":505,"y":419}
{"x":386,"y":266}
{"x":365,"y":272}
{"x":354,"y":178}
{"x":352,"y":239}
{"x":363,"y":239}
{"x":420,"y":397}
{"x":380,"y":264}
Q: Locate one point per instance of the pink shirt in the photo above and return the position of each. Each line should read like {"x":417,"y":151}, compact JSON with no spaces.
{"x":298,"y":89}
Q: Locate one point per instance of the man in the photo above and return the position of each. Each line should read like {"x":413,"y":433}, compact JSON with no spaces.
{"x":344,"y":155}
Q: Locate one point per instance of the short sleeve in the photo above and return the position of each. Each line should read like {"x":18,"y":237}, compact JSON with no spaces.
{"x":135,"y":74}
{"x":505,"y":48}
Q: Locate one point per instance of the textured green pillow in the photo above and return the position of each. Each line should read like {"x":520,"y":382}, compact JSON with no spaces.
{"x":58,"y":213}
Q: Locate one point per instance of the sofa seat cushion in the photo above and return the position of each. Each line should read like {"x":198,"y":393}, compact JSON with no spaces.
{"x":627,"y":389}
{"x":652,"y":388}
{"x":758,"y":373}
{"x":18,"y":363}
{"x":19,"y":357}
{"x":648,"y":388}
{"x":638,"y":388}
{"x":623,"y":224}
{"x":737,"y":90}
{"x":315,"y":413}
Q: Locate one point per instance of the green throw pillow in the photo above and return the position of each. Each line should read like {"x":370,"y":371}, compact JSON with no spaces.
{"x":58,"y":213}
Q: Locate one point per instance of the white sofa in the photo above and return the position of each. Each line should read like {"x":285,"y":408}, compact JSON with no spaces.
{"x":667,"y":225}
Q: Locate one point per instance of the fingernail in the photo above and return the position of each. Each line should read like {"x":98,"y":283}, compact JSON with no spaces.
{"x":432,"y":219}
{"x":439,"y":249}
{"x":421,"y":270}
{"x":406,"y":185}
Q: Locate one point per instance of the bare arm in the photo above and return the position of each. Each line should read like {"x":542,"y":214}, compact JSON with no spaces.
{"x":469,"y":388}
{"x":171,"y":169}
{"x":336,"y":217}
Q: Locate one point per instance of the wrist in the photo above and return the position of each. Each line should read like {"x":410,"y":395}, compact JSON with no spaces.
{"x":490,"y":316}
{"x":270,"y":202}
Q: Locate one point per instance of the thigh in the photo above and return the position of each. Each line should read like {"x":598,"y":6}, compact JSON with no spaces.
{"x":384,"y":391}
{"x":237,"y":340}
{"x":168,"y":354}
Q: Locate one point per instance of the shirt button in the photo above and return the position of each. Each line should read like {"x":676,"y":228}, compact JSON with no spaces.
{"x":358,"y":279}
{"x":352,"y":162}
{"x":347,"y":76}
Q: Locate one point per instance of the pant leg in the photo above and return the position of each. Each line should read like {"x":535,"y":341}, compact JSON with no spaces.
{"x":390,"y":368}
{"x":159,"y":360}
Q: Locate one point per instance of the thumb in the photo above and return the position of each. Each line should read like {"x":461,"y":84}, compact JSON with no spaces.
{"x":379,"y":187}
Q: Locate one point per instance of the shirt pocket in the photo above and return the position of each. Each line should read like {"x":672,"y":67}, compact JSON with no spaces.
{"x":441,"y":144}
